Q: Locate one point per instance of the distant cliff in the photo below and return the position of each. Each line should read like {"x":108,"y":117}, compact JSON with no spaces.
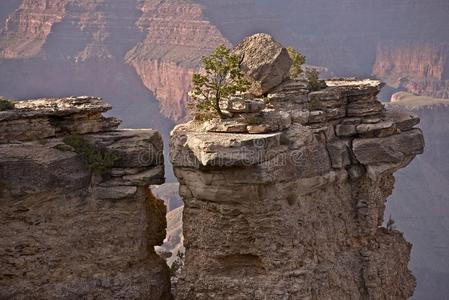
{"x":163,"y":41}
{"x":421,"y":68}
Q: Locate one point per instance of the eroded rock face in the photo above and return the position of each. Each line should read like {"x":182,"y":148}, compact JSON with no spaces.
{"x":265,"y":62}
{"x":297,"y":212}
{"x":418,"y":67}
{"x":66,"y":231}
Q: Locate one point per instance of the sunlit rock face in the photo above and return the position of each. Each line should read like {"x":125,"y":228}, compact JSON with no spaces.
{"x":288,"y":200}
{"x":75,"y":225}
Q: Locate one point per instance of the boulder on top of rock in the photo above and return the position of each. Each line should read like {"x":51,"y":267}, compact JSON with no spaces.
{"x":265,"y":62}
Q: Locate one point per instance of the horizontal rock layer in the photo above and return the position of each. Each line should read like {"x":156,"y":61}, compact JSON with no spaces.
{"x":68,"y":231}
{"x":296,"y":211}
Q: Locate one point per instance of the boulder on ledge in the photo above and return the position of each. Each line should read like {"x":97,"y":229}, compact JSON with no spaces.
{"x":265,"y":62}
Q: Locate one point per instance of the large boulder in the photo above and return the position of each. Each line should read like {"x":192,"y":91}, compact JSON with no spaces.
{"x":265,"y":62}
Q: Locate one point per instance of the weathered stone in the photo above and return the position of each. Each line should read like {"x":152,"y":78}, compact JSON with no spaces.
{"x":360,"y":109}
{"x":380,"y":129}
{"x":328,"y":98}
{"x":345,"y":130}
{"x":114,"y":192}
{"x":152,"y":176}
{"x":403,"y":120}
{"x":304,"y":213}
{"x":300,"y":116}
{"x":339,"y":153}
{"x":242,"y":105}
{"x":262,"y":128}
{"x":45,"y":118}
{"x":387,"y":150}
{"x":226,"y":126}
{"x":317,"y":116}
{"x":66,"y":233}
{"x":264,"y":61}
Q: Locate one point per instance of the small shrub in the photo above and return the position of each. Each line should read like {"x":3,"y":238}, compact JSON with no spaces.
{"x":97,"y":160}
{"x":177,"y":264}
{"x":313,"y":78}
{"x":6,"y":104}
{"x":298,"y":60}
{"x":223,"y":78}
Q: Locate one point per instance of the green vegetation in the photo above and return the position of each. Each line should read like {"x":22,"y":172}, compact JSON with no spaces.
{"x":6,"y":104}
{"x":298,"y":60}
{"x":178,"y":264}
{"x":223,"y":78}
{"x":97,"y":160}
{"x":313,"y":78}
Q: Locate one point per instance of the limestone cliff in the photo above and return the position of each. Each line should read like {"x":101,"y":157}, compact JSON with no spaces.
{"x":421,"y":68}
{"x":77,"y":217}
{"x":286,"y":198}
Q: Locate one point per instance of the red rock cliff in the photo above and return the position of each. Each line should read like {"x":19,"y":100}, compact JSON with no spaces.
{"x":418,"y":67}
{"x":178,"y":35}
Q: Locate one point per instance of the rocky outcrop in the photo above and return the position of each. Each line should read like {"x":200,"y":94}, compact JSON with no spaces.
{"x":421,"y":68}
{"x":295,"y":208}
{"x":77,"y":216}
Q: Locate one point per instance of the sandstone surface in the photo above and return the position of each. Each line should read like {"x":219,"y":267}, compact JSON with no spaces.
{"x":265,"y":62}
{"x":296,"y":211}
{"x":68,"y":232}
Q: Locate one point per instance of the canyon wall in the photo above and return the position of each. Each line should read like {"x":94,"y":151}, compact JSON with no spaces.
{"x":77,"y":217}
{"x":421,"y":68}
{"x":178,"y":35}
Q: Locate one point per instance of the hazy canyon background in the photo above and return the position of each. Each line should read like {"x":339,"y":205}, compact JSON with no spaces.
{"x":139,"y":56}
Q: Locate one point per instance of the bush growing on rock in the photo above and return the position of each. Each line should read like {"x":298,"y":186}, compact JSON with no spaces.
{"x":297,"y":61}
{"x":5,"y":104}
{"x":221,"y":78}
{"x":97,"y":160}
{"x":313,"y":79}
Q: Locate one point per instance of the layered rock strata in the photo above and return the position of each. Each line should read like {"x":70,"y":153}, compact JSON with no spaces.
{"x":421,"y":68}
{"x":295,"y":211}
{"x":68,"y":232}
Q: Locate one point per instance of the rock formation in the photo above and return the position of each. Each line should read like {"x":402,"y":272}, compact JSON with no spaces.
{"x":163,"y":41}
{"x":421,"y":68}
{"x":294,"y":209}
{"x":77,"y":217}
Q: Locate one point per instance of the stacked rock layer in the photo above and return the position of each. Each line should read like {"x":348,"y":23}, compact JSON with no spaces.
{"x":68,"y":232}
{"x":285,"y":199}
